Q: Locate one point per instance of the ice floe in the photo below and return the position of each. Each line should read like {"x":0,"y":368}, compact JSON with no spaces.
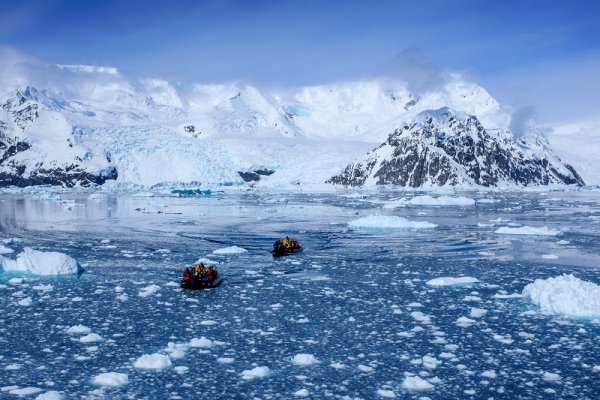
{"x":565,"y":295}
{"x":256,"y":372}
{"x":41,"y":263}
{"x":51,"y":395}
{"x":5,"y":250}
{"x":148,"y":290}
{"x":450,"y":281}
{"x":416,"y":383}
{"x":230,"y":250}
{"x":304,"y":359}
{"x":528,"y":230}
{"x":386,"y":393}
{"x":301,"y":393}
{"x":156,"y":362}
{"x":388,"y":222}
{"x":111,"y":379}
{"x":440,"y":201}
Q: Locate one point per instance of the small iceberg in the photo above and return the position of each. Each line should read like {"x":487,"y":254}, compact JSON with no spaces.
{"x":388,"y":222}
{"x":230,"y":250}
{"x":41,"y":263}
{"x":565,"y":295}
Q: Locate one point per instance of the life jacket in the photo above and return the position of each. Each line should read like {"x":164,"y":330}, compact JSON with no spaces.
{"x":186,"y":276}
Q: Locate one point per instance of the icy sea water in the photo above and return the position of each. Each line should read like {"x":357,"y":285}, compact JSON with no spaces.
{"x":349,"y":318}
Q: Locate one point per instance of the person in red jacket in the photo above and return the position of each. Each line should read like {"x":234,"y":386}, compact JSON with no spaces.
{"x":187,"y":275}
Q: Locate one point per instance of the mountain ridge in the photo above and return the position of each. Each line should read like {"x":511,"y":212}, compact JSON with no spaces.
{"x":148,"y":132}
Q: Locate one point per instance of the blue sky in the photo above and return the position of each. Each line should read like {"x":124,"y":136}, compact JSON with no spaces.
{"x":298,"y":42}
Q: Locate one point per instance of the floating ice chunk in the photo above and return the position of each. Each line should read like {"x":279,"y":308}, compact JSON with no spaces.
{"x":304,"y":359}
{"x":489,"y":374}
{"x":26,"y":302}
{"x":440,"y":201}
{"x":465,"y":322}
{"x":111,"y":379}
{"x":257,"y":372}
{"x":208,"y":322}
{"x":449,"y":281}
{"x":176,"y":350}
{"x":549,"y":376}
{"x":90,"y":338}
{"x":565,"y":295}
{"x":419,"y":316}
{"x":388,"y":222}
{"x":301,"y":393}
{"x":528,"y":230}
{"x":389,"y":394}
{"x":430,"y":362}
{"x":41,"y":263}
{"x":26,"y":391}
{"x":206,"y":261}
{"x":365,"y":368}
{"x":503,"y":339}
{"x":416,"y":383}
{"x":549,"y":256}
{"x":5,"y":250}
{"x":43,"y":288}
{"x":230,"y":250}
{"x":155,"y":361}
{"x":477,"y":312}
{"x":148,"y":290}
{"x":337,"y":365}
{"x":51,"y":395}
{"x":78,"y":329}
{"x":508,"y":296}
{"x":225,"y":360}
{"x":202,"y":343}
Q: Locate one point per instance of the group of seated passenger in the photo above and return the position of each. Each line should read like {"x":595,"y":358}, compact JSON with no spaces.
{"x":200,"y":272}
{"x":286,"y":244}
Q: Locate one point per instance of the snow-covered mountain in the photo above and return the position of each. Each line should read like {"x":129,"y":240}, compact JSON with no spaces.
{"x":39,"y":146}
{"x":448,"y":148}
{"x":86,"y":125}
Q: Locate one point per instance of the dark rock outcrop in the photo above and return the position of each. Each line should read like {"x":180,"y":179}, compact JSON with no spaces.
{"x":254,"y":174}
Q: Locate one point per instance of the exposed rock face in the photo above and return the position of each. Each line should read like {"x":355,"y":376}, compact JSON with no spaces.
{"x":448,"y":148}
{"x":24,"y":159}
{"x":254,"y":174}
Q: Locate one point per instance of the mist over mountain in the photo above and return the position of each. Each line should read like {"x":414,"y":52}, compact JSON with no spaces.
{"x":110,"y":127}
